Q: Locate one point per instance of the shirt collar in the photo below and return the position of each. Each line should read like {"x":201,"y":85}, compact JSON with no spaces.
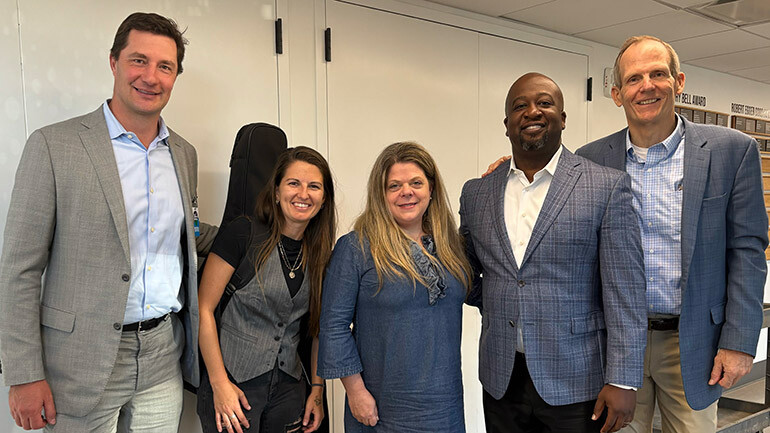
{"x":550,"y":168}
{"x":116,"y":130}
{"x":670,"y":143}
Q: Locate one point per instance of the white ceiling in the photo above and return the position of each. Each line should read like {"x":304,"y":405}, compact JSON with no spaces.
{"x":705,"y":37}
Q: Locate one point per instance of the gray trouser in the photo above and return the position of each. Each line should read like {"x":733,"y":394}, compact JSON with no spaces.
{"x":144,"y":391}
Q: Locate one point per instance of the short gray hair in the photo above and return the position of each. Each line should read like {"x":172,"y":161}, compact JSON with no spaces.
{"x":673,"y":58}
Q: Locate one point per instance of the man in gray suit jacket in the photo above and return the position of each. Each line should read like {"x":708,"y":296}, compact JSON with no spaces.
{"x":559,"y":278}
{"x":704,"y":231}
{"x":105,"y":205}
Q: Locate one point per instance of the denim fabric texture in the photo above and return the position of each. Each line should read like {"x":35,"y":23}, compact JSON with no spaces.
{"x":407,"y":350}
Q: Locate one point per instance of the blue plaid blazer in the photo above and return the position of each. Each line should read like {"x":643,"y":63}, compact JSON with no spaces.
{"x":724,"y":235}
{"x":579,"y":293}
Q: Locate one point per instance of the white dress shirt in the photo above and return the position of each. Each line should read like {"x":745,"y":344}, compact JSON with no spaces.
{"x":521,"y":207}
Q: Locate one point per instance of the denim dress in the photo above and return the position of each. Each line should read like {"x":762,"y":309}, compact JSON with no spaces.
{"x":407,"y":350}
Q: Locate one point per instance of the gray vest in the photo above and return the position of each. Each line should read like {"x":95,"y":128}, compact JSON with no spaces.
{"x":261,"y":325}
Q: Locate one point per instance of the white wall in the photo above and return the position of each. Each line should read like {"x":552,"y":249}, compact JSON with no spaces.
{"x":52,"y":71}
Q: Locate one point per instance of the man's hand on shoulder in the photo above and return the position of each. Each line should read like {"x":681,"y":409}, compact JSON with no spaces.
{"x":29,"y":401}
{"x":496,"y":164}
{"x":729,"y":367}
{"x":620,"y":405}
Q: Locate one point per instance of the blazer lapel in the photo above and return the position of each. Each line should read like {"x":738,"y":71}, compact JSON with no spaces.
{"x":96,"y":141}
{"x":498,"y":180}
{"x":696,"y":164}
{"x":566,"y":176}
{"x":181,"y":166}
{"x":615,"y":157}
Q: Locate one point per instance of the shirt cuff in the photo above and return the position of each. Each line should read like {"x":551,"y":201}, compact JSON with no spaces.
{"x":623,"y":386}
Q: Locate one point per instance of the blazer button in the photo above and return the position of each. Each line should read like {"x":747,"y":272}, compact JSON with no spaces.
{"x":281,"y":363}
{"x":510,"y":322}
{"x":522,"y":283}
{"x":117,"y":326}
{"x":280,"y":324}
{"x":277,"y":338}
{"x":125,"y":277}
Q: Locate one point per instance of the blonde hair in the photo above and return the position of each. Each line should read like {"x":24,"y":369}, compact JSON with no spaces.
{"x":673,"y":58}
{"x":389,"y":244}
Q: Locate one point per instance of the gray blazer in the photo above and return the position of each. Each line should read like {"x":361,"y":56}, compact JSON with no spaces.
{"x":579,"y":293}
{"x":724,"y":235}
{"x":261,"y":325}
{"x":67,"y":219}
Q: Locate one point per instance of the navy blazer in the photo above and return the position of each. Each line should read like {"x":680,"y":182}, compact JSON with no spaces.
{"x":724,"y":235}
{"x":579,"y":293}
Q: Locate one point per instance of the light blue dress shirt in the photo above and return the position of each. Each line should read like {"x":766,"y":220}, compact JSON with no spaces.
{"x":656,"y":183}
{"x":155,"y":219}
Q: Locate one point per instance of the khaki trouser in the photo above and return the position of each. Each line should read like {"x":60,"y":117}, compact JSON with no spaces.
{"x":663,"y":383}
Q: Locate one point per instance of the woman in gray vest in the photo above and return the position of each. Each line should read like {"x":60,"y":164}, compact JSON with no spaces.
{"x":253,"y":371}
{"x":401,"y":278}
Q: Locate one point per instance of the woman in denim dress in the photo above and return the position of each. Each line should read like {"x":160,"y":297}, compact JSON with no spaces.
{"x":400,"y":278}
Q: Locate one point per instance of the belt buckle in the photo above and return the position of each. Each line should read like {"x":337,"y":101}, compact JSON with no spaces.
{"x":151,"y":323}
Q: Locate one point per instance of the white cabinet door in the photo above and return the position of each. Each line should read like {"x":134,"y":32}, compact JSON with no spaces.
{"x":395,"y":78}
{"x":230,"y":72}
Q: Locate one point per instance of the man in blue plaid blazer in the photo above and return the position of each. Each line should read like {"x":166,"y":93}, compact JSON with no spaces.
{"x":558,"y":275}
{"x":704,"y":232}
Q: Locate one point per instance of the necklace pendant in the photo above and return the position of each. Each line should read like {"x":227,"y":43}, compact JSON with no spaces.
{"x":291,"y":274}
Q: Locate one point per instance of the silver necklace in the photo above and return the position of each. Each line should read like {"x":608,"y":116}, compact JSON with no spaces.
{"x":297,"y":262}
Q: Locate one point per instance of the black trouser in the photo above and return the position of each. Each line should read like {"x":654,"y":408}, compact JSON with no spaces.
{"x":522,"y":410}
{"x":277,"y":403}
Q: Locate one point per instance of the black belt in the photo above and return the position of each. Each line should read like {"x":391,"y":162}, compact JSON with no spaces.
{"x":663,"y":324}
{"x":145,"y":325}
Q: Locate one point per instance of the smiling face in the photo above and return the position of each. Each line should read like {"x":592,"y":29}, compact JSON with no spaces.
{"x":648,"y":89}
{"x":535,"y":115}
{"x":145,"y":72}
{"x":407,"y":193}
{"x":300,"y":194}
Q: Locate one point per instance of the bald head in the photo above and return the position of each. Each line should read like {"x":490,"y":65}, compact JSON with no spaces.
{"x":538,"y":80}
{"x":534,"y":117}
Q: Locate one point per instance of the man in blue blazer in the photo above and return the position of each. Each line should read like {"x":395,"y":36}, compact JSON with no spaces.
{"x":558,"y":275}
{"x":698,"y":191}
